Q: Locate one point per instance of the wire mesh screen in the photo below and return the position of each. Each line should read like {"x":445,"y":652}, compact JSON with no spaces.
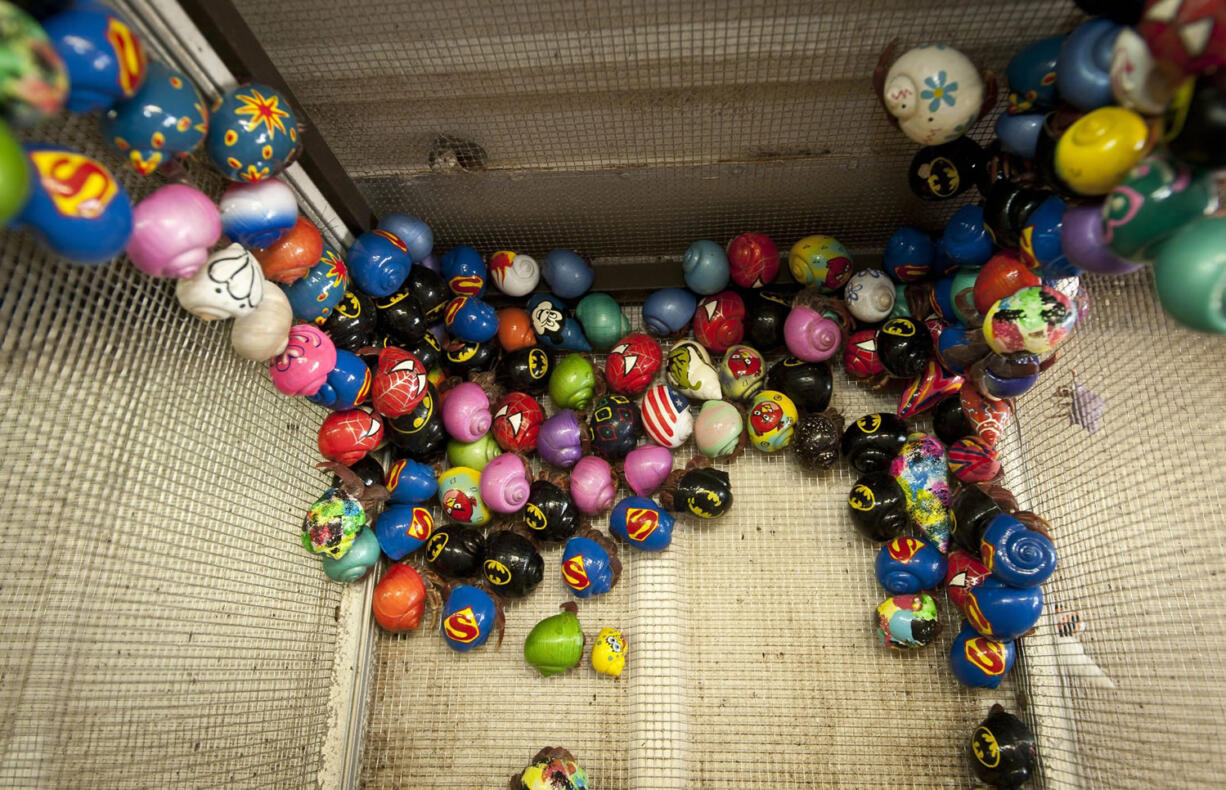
{"x":753,"y":662}
{"x":160,"y":626}
{"x":629,"y":127}
{"x":1139,"y":529}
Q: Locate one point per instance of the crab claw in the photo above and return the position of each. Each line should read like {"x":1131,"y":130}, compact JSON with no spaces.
{"x":434,"y":587}
{"x":1035,"y":522}
{"x":500,"y":622}
{"x":350,"y":482}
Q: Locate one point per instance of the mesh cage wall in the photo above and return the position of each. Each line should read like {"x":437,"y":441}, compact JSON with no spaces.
{"x":628,"y":129}
{"x":168,"y":632}
{"x":161,"y":626}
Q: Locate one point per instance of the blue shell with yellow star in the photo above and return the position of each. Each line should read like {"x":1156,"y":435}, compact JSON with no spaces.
{"x":165,"y":119}
{"x":253,"y":134}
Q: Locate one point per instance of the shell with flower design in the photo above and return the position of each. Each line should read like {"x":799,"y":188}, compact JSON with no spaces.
{"x":935,"y":92}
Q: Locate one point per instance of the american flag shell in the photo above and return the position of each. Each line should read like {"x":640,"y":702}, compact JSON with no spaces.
{"x":666,"y":416}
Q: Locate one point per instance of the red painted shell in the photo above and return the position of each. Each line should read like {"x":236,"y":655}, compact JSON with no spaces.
{"x":753,"y":260}
{"x":973,"y":460}
{"x":719,"y":321}
{"x":517,"y":422}
{"x":400,"y":383}
{"x":632,"y":364}
{"x":860,"y":354}
{"x":347,"y":436}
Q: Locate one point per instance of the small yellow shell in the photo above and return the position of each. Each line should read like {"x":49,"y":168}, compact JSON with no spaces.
{"x":609,"y":652}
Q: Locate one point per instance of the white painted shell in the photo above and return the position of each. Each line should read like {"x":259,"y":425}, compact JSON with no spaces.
{"x":264,"y":332}
{"x":935,"y":92}
{"x":870,"y":295}
{"x":230,"y":284}
{"x":514,"y":274}
{"x":690,"y":370}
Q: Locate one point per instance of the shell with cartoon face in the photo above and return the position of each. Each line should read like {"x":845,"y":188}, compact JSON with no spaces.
{"x":741,"y":373}
{"x":689,"y":369}
{"x":772,"y":418}
{"x":459,"y":492}
{"x":609,"y":652}
{"x":820,"y":260}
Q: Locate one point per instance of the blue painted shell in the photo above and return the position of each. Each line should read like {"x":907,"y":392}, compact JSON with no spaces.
{"x":415,"y":233}
{"x":357,"y":562}
{"x":1031,"y":74}
{"x":1042,"y":244}
{"x":312,"y":297}
{"x":1083,"y":72}
{"x":966,"y":240}
{"x":980,"y":661}
{"x":909,"y":255}
{"x":705,"y":267}
{"x":909,"y":565}
{"x":165,"y":119}
{"x":77,"y":207}
{"x":642,"y":523}
{"x":587,"y":568}
{"x":669,"y":310}
{"x":104,"y":58}
{"x":346,"y":386}
{"x":253,"y":133}
{"x":468,"y":618}
{"x":379,"y":263}
{"x":256,"y":215}
{"x":471,"y":319}
{"x":465,"y":271}
{"x":409,"y":482}
{"x":1016,"y":554}
{"x":995,"y":609}
{"x":568,"y":274}
{"x":402,"y":529}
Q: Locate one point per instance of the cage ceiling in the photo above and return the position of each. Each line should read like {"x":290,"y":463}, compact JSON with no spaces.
{"x":626,"y":128}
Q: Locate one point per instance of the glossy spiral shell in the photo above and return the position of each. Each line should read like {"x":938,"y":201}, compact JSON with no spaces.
{"x":906,"y":566}
{"x":1016,"y":554}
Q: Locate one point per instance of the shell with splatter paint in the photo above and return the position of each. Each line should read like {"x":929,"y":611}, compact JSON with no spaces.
{"x":922,"y":471}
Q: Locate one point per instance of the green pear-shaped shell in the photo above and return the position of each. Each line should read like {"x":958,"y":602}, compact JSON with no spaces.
{"x":475,"y":454}
{"x":555,"y":644}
